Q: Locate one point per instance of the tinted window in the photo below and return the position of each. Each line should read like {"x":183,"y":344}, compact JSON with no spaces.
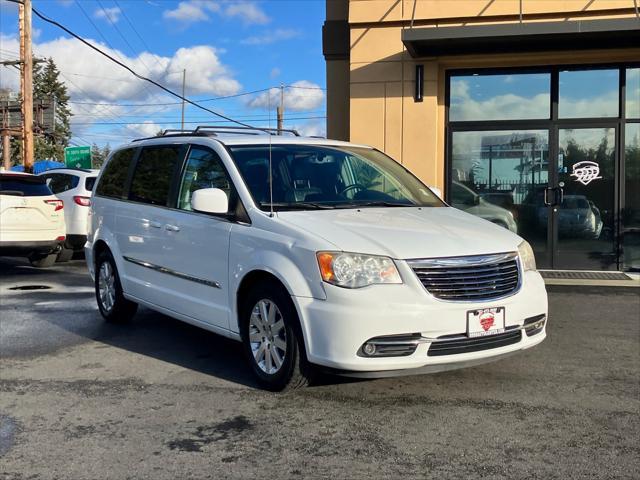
{"x":114,"y":177}
{"x":153,"y":174}
{"x":23,"y":186}
{"x":89,"y":182}
{"x":589,"y":93}
{"x":204,"y":170}
{"x":61,"y":182}
{"x":500,"y":97}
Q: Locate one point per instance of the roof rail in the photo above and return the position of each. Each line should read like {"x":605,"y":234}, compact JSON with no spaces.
{"x":214,"y":130}
{"x":243,"y":130}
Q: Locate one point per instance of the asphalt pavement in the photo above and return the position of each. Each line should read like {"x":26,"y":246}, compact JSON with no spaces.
{"x":159,"y":399}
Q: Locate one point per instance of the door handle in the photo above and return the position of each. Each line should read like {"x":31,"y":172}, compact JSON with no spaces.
{"x":171,"y":228}
{"x":561,"y":195}
{"x":149,"y":223}
{"x":546,"y":196}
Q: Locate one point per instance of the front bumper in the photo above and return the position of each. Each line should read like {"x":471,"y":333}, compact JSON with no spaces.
{"x":336,"y":328}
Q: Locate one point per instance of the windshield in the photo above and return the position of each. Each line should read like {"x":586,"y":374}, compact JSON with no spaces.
{"x":313,"y":177}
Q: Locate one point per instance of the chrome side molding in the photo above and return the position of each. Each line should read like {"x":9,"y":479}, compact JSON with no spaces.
{"x":168,"y":271}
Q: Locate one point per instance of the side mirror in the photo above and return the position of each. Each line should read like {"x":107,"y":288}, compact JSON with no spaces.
{"x":437,"y":192}
{"x":210,"y":200}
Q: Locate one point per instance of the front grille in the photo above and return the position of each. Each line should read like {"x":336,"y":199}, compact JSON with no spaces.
{"x":476,"y":344}
{"x":469,"y":278}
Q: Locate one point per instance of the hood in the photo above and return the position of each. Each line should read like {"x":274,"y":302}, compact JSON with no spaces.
{"x":405,"y":233}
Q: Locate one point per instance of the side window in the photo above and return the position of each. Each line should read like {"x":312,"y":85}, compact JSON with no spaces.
{"x":114,"y":177}
{"x":153,"y":174}
{"x":61,"y":182}
{"x":204,"y":169}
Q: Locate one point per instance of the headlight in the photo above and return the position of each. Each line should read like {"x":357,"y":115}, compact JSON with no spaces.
{"x":526,"y":256}
{"x":352,"y":270}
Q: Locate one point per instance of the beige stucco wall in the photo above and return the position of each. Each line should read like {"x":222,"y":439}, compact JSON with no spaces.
{"x":383,"y":112}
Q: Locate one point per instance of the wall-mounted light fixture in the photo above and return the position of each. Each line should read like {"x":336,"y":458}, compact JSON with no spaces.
{"x":418,"y":92}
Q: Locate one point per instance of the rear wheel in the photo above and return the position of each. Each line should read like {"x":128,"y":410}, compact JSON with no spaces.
{"x":39,"y":260}
{"x":272,"y":339}
{"x":111,"y":302}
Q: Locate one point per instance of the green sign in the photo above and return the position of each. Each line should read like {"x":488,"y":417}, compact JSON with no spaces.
{"x":77,"y":157}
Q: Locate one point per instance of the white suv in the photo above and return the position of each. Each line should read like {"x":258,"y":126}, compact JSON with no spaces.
{"x":73,"y":186}
{"x":31,"y":219}
{"x":312,"y":253}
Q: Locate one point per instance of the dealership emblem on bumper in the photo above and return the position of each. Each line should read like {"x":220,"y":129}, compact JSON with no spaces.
{"x":585,"y":172}
{"x":487,"y":320}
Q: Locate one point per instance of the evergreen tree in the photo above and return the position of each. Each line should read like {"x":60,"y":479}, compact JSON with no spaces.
{"x":97,"y":159}
{"x":47,"y":84}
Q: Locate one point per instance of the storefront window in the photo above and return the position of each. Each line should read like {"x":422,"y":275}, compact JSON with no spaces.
{"x":500,"y":97}
{"x":631,"y":212}
{"x":501,"y":176}
{"x":633,"y":93}
{"x":589,"y":94}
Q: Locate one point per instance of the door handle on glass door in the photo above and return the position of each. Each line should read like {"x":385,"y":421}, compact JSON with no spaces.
{"x":172,"y":228}
{"x":149,"y":223}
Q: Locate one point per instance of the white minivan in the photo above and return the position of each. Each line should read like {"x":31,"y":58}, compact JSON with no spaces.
{"x":314,"y":253}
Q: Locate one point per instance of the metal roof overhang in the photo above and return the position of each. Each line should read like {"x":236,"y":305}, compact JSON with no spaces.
{"x":522,"y":37}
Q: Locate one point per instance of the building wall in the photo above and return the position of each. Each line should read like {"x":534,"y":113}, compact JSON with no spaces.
{"x":382,"y":111}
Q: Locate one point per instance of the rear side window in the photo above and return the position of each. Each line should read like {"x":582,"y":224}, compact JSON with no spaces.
{"x":153,"y":174}
{"x":61,"y":182}
{"x":23,"y":186}
{"x":114,"y":177}
{"x":89,"y":182}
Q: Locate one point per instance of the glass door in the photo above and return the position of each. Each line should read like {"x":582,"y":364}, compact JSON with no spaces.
{"x":581,"y":199}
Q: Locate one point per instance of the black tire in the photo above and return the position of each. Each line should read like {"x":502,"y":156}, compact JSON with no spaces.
{"x":116,"y":308}
{"x":295,"y":371}
{"x":42,"y":261}
{"x":65,"y":255}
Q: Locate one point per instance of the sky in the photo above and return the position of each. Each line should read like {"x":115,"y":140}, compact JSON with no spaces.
{"x":229,"y":48}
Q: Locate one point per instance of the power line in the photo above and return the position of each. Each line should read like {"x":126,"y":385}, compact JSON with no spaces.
{"x":193,"y":122}
{"x":130,"y":70}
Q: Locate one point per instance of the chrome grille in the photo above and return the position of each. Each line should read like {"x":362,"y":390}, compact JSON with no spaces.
{"x":481,"y":277}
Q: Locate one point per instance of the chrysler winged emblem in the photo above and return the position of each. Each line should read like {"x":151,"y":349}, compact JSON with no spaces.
{"x":585,"y":172}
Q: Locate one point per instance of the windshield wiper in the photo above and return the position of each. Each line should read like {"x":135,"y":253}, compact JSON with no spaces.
{"x":374,"y":203}
{"x":297,"y":205}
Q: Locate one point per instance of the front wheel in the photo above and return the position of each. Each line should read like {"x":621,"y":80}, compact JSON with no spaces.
{"x":111,"y":302}
{"x":272,"y":339}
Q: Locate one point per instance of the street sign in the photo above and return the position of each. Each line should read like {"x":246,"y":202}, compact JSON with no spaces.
{"x":77,"y":157}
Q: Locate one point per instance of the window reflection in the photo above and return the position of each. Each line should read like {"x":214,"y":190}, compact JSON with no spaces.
{"x":631,"y":211}
{"x":498,"y":176}
{"x":632,"y":106}
{"x":500,"y":97}
{"x":589,"y":93}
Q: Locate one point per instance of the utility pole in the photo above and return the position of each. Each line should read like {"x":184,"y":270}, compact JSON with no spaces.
{"x":184,"y":79}
{"x":280,"y":111}
{"x":26,"y":84}
{"x":6,"y":150}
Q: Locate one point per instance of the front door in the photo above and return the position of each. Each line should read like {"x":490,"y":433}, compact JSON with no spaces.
{"x":581,"y":200}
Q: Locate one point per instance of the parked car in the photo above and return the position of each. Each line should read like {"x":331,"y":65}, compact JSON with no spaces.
{"x":31,"y":219}
{"x":464,"y":198}
{"x":74,"y":187}
{"x":313,"y":253}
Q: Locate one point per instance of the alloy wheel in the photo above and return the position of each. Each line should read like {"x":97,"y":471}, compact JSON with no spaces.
{"x":107,"y":286}
{"x":267,"y":336}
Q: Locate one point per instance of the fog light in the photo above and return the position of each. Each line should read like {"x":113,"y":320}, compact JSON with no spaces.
{"x":369,"y":349}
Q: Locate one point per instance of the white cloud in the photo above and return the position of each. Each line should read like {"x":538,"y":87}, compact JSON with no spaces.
{"x":146,"y":129}
{"x":312,"y":128}
{"x":300,"y":96}
{"x":101,"y":79}
{"x":248,"y":12}
{"x":111,"y":15}
{"x":193,"y":11}
{"x":271,"y":37}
